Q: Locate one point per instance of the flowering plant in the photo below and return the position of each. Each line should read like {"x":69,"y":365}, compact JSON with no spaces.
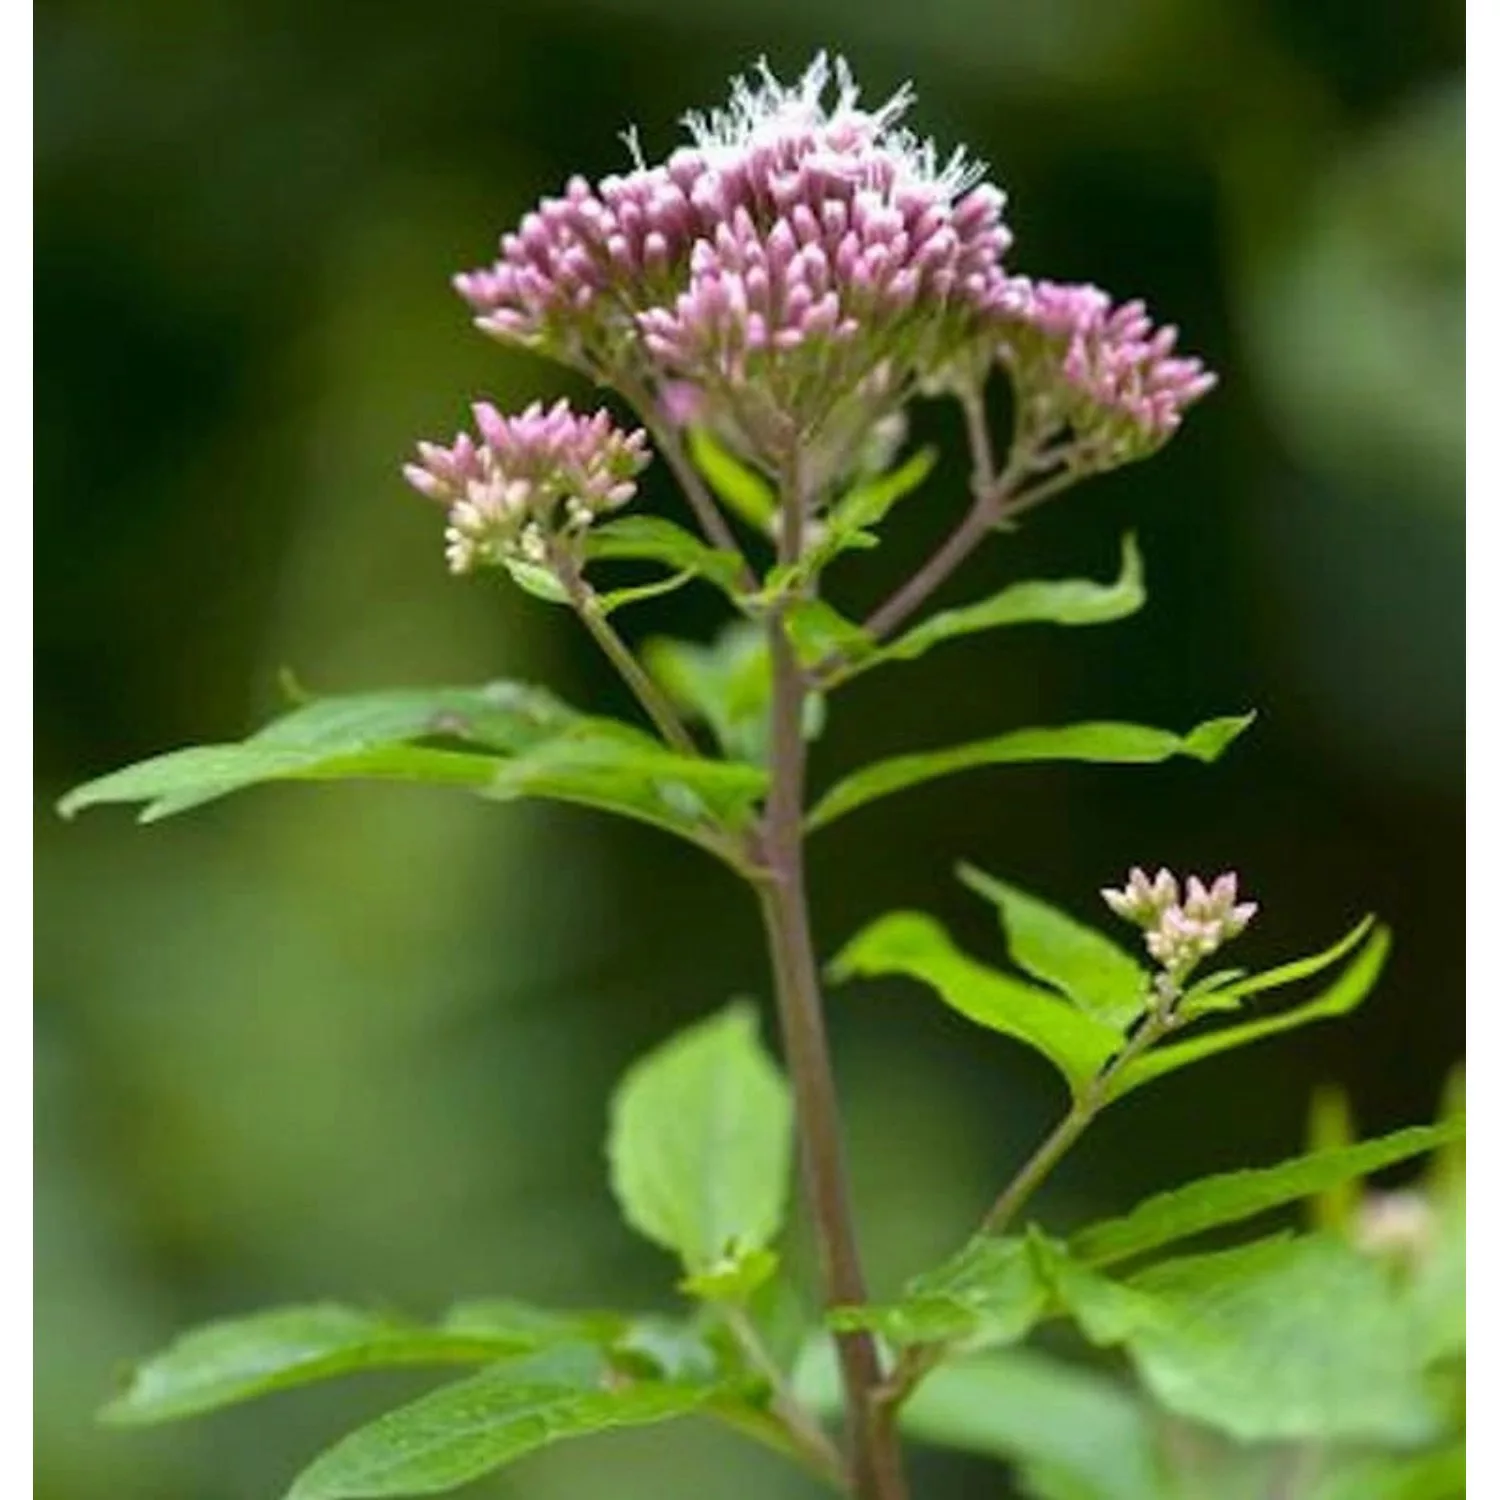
{"x":768,"y":301}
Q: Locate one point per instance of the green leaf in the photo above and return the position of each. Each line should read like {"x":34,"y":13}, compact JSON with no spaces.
{"x":847,"y":523}
{"x":618,"y":770}
{"x":1051,"y":946}
{"x":1338,"y":999}
{"x":744,"y":491}
{"x":241,"y":1358}
{"x":1287,"y":1339}
{"x":620,"y":598}
{"x":916,"y":947}
{"x":1069,"y":601}
{"x":1071,"y":1432}
{"x":180,"y":779}
{"x":1436,"y":1475}
{"x":989,"y":1293}
{"x":1105,"y":743}
{"x":1232,"y":992}
{"x":700,"y":1142}
{"x":538,"y":581}
{"x":726,"y":685}
{"x":654,"y":539}
{"x":871,"y":501}
{"x":1232,"y":1196}
{"x":820,"y":633}
{"x":465,"y":1430}
{"x":353,"y":731}
{"x":734,"y":1278}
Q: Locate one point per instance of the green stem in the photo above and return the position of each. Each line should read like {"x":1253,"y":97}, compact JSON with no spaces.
{"x":919,"y":1359}
{"x":651,"y":698}
{"x":802,"y":1430}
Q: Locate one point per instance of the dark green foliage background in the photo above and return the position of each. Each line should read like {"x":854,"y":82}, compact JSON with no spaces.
{"x":357,"y":1042}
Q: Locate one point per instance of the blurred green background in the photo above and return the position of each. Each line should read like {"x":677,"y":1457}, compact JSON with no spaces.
{"x":356,"y":1042}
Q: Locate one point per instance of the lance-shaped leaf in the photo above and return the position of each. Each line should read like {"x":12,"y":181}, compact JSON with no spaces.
{"x":1338,"y":999}
{"x":618,"y":770}
{"x":848,"y":522}
{"x":1226,"y":992}
{"x":1102,"y":743}
{"x":1288,"y":1339}
{"x":355,"y":731}
{"x":240,"y":1358}
{"x":474,"y":1426}
{"x":654,"y":539}
{"x":917,"y":947}
{"x":700,"y":1144}
{"x":1232,"y":1196}
{"x":1051,"y":946}
{"x":180,"y":779}
{"x":745,"y":492}
{"x":1040,"y":601}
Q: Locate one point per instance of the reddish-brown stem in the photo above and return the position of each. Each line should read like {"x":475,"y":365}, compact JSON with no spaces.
{"x":874,"y":1456}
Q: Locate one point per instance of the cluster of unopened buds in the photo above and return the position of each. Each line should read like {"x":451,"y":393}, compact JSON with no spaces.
{"x":789,"y":279}
{"x":1183,"y":926}
{"x":530,"y":483}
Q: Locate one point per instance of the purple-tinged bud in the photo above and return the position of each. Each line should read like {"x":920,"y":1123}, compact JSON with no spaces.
{"x":533,"y":482}
{"x":1184,"y":925}
{"x":1100,"y":376}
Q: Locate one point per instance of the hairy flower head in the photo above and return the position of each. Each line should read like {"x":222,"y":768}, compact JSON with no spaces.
{"x":802,"y":266}
{"x":1182,"y":925}
{"x":528,"y":482}
{"x":1100,"y":373}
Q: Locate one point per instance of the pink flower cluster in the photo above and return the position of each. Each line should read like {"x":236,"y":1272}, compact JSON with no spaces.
{"x":796,"y":256}
{"x":1181,"y":930}
{"x":529,"y":481}
{"x":1101,"y":372}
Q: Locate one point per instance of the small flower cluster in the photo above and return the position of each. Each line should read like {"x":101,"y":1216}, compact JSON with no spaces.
{"x":1099,"y":372}
{"x":1181,"y":930}
{"x":796,"y":258}
{"x":529,"y":482}
{"x":789,"y":279}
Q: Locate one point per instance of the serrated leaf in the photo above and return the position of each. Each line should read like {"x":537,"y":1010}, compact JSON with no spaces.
{"x":1101,"y":743}
{"x":989,"y":1293}
{"x":1071,"y":1432}
{"x":1338,"y":999}
{"x":655,"y":539}
{"x":745,"y":492}
{"x":917,"y":947}
{"x":1086,"y":966}
{"x":472,"y":1427}
{"x":237,"y":1359}
{"x":1230,"y":1197}
{"x":700,"y":1142}
{"x":1288,"y":1339}
{"x":1063,"y":601}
